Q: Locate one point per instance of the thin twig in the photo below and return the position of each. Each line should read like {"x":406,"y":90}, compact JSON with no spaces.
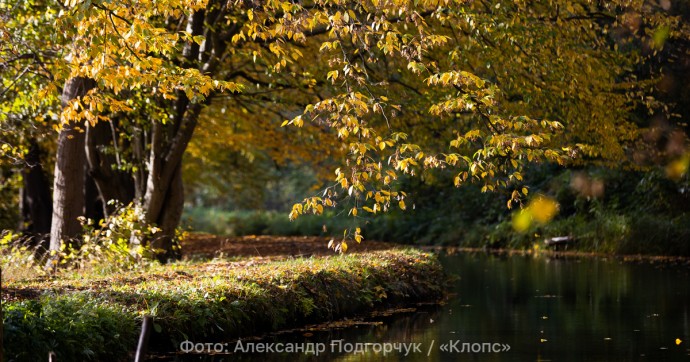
{"x":110,"y":16}
{"x":15,"y":80}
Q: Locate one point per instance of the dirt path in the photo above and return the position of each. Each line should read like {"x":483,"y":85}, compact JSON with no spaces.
{"x":209,"y":246}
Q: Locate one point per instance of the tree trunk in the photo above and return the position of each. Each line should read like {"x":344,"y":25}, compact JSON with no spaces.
{"x":94,"y":207}
{"x":37,"y":206}
{"x":138,"y":146}
{"x":110,"y":182}
{"x":68,"y":187}
{"x":163,"y":198}
{"x":169,"y":219}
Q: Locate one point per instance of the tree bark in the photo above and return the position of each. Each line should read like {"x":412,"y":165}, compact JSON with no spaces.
{"x":102,"y":167}
{"x":68,"y":187}
{"x":138,"y":154}
{"x":169,"y":219}
{"x":163,"y":166}
{"x":163,"y":198}
{"x":37,"y":206}
{"x":94,"y":207}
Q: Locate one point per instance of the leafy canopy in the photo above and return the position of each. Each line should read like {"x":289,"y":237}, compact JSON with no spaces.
{"x":390,"y":87}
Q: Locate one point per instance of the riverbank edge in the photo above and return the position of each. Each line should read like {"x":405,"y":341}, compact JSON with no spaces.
{"x":549,"y":253}
{"x":214,"y":302}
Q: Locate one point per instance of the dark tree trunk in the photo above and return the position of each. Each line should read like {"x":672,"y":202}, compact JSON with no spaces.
{"x":68,"y":187}
{"x":163,"y":197}
{"x":102,"y":167}
{"x":169,"y":219}
{"x":138,"y":145}
{"x":94,"y":207}
{"x":37,"y":206}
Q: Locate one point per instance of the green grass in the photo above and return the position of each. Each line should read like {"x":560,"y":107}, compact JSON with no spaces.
{"x":84,"y":317}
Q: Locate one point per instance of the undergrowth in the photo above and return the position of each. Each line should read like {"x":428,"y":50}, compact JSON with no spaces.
{"x":103,"y":248}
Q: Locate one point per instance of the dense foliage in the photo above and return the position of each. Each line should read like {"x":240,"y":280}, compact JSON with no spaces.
{"x":378,"y":90}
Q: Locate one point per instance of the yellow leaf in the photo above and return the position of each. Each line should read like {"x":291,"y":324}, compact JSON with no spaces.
{"x":402,"y":205}
{"x":678,"y":168}
{"x":521,"y":220}
{"x":543,"y":209}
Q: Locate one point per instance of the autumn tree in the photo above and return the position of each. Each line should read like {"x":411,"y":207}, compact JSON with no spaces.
{"x":390,"y":87}
{"x":483,"y":88}
{"x":26,"y":50}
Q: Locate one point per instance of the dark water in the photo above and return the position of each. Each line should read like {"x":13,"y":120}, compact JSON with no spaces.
{"x":543,"y":309}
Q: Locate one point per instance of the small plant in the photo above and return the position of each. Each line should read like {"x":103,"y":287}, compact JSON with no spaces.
{"x":18,"y":257}
{"x":108,"y":246}
{"x":104,"y":247}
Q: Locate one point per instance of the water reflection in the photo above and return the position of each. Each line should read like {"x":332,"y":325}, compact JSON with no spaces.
{"x":544,"y":309}
{"x":583,"y":309}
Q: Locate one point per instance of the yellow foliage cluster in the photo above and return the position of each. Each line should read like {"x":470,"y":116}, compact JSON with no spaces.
{"x":541,"y":210}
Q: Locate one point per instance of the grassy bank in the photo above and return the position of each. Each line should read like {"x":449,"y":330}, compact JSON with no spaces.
{"x":82,"y":317}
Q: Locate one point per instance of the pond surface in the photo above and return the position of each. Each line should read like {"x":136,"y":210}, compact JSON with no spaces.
{"x":528,"y":309}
